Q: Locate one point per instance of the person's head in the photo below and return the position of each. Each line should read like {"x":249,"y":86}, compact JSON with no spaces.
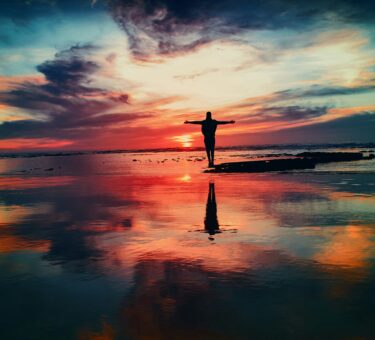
{"x":208,"y":115}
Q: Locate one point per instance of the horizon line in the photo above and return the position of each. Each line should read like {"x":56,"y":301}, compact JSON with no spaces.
{"x":40,"y":153}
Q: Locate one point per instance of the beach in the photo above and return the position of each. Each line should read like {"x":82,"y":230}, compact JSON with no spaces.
{"x":147,"y":246}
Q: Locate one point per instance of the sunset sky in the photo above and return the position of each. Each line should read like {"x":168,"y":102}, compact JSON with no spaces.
{"x":126,"y":74}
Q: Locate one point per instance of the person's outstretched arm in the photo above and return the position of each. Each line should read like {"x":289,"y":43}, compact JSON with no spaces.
{"x":225,"y":122}
{"x":193,"y":121}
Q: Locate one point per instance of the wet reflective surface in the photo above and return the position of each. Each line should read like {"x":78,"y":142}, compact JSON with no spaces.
{"x":148,"y":247}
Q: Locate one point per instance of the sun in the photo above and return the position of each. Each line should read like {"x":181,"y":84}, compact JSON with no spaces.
{"x":186,"y":141}
{"x":185,"y":178}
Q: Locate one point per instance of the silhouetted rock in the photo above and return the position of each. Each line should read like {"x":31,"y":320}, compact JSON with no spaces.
{"x":304,"y":160}
{"x":327,"y":157}
{"x":263,"y":166}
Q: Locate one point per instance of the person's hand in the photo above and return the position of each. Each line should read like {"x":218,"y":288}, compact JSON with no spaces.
{"x":232,"y":121}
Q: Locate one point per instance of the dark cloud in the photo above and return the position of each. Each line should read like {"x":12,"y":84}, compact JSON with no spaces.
{"x":357,"y":128}
{"x":165,"y":27}
{"x":169,"y":26}
{"x":69,"y":69}
{"x":322,"y":91}
{"x":65,"y":106}
{"x":278,"y":97}
{"x":284,"y":113}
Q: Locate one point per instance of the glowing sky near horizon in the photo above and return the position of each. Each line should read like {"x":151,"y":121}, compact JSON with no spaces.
{"x":126,"y":74}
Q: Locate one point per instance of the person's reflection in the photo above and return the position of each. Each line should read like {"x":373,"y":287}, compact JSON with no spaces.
{"x":211,"y":224}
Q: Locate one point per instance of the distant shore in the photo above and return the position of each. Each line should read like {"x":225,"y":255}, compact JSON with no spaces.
{"x":30,"y":154}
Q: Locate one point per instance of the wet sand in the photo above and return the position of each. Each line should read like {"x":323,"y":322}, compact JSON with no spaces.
{"x":134,"y":246}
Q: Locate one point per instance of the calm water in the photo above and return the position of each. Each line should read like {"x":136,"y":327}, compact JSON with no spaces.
{"x":146,"y":246}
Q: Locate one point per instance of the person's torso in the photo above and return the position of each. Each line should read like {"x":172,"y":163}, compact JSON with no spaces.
{"x":209,"y":128}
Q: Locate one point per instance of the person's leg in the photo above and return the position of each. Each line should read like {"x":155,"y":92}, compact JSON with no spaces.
{"x":207,"y":145}
{"x":213,"y":152}
{"x":210,"y":151}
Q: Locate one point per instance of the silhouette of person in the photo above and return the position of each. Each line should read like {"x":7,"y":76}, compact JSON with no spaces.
{"x":211,"y":224}
{"x":209,"y":126}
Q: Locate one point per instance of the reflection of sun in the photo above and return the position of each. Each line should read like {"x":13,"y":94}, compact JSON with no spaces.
{"x":185,"y":178}
{"x":184,"y":140}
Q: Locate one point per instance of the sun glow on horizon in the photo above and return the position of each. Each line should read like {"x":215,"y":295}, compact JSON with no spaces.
{"x":186,"y":141}
{"x":186,"y":178}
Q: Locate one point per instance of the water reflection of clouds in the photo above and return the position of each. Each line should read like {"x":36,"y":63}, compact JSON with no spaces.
{"x":77,"y":210}
{"x":296,"y":233}
{"x":82,"y":214}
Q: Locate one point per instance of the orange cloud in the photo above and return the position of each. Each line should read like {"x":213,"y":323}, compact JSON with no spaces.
{"x":8,"y":82}
{"x":347,"y":248}
{"x":33,"y":144}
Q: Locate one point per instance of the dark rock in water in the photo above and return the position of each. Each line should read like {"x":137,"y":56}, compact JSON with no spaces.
{"x":304,"y":160}
{"x":263,"y":166}
{"x":327,"y":157}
